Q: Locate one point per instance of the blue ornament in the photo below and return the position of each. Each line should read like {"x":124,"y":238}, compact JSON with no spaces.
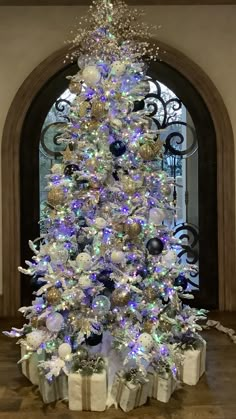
{"x":104,"y":278}
{"x":117,"y":148}
{"x":70,"y":169}
{"x":94,"y":339}
{"x":155,"y":246}
{"x":181,"y":281}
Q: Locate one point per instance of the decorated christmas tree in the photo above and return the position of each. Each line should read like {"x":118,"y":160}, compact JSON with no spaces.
{"x":106,"y":263}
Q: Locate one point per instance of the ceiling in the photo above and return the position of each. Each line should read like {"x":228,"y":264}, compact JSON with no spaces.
{"x":131,"y":2}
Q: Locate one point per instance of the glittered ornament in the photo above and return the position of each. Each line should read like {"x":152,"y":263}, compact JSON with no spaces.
{"x":75,"y":87}
{"x":165,"y":189}
{"x":84,"y":260}
{"x":104,"y":278}
{"x":36,"y":322}
{"x":118,"y":68}
{"x":181,"y":281}
{"x":81,"y":353}
{"x":129,"y":185}
{"x":147,"y":152}
{"x":99,"y":110}
{"x":91,"y":75}
{"x":92,"y":164}
{"x":101,"y":305}
{"x":156,"y":216}
{"x":117,"y":148}
{"x":94,"y":339}
{"x":164,"y":326}
{"x":56,"y":196}
{"x":150,"y":293}
{"x":64,"y":350}
{"x":100,"y":223}
{"x":53,"y":296}
{"x":132,"y":228}
{"x":72,"y":317}
{"x":83,"y":109}
{"x":170,"y":258}
{"x":54,"y":322}
{"x":145,"y":342}
{"x":70,"y":169}
{"x":148,"y":325}
{"x":117,"y":256}
{"x":121,"y":296}
{"x":155,"y":246}
{"x":58,"y":254}
{"x":35,"y":339}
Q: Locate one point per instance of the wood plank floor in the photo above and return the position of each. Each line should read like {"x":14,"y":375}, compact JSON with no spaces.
{"x":213,"y":398}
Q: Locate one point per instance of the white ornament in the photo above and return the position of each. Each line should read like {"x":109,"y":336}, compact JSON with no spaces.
{"x":91,"y":75}
{"x":117,"y":256}
{"x":54,"y":322}
{"x":118,"y":68}
{"x":34,"y":339}
{"x":84,"y":260}
{"x":156,"y":216}
{"x":145,"y":341}
{"x":64,"y":350}
{"x":169,"y":258}
{"x":100,"y":223}
{"x":58,"y":254}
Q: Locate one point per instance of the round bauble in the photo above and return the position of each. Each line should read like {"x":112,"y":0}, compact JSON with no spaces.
{"x":84,"y":260}
{"x":121,"y":296}
{"x":169,"y":258}
{"x":104,"y":278}
{"x":147,"y":152}
{"x":117,"y":256}
{"x":165,"y":189}
{"x":156,"y":216}
{"x":100,"y":223}
{"x":148,"y":325}
{"x":101,"y":305}
{"x":58,"y":254}
{"x":75,"y":87}
{"x":56,"y":196}
{"x":35,"y":339}
{"x":139,"y":105}
{"x":91,"y":75}
{"x":181,"y":281}
{"x":132,"y":228}
{"x":53,"y":296}
{"x":129,"y":185}
{"x":72,"y":317}
{"x":118,"y":68}
{"x":155,"y":246}
{"x":83,"y":109}
{"x":64,"y":350}
{"x":54,"y":322}
{"x":99,"y":110}
{"x":150,"y":293}
{"x":70,"y":169}
{"x":94,"y":339}
{"x":117,"y":148}
{"x":81,"y":353}
{"x":145,"y":342}
{"x":164,"y":326}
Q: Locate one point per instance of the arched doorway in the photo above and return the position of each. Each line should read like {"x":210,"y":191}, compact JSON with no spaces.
{"x":53,"y":70}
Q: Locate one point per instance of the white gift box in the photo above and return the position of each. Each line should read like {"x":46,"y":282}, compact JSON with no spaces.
{"x":57,"y":389}
{"x":129,"y":395}
{"x":194,"y":364}
{"x":30,"y":366}
{"x":161,"y":386}
{"x":88,"y":392}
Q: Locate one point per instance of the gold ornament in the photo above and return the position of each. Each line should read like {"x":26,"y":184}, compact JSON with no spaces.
{"x":121,"y":296}
{"x":75,"y":87}
{"x":53,"y":296}
{"x":98,"y":110}
{"x":133,"y":228}
{"x":81,"y":353}
{"x":150,"y":293}
{"x":36,"y":322}
{"x":129,"y":185}
{"x":92,"y":164}
{"x":165,"y":189}
{"x":72,"y":318}
{"x":148,"y":326}
{"x":119,"y":227}
{"x":83,"y":108}
{"x":164,"y":326}
{"x":56,"y":196}
{"x":94,"y":183}
{"x":67,"y":154}
{"x":147,"y":152}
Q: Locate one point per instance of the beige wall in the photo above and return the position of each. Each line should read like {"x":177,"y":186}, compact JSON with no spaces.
{"x":206,"y":34}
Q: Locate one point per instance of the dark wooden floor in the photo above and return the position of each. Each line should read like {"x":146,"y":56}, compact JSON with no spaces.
{"x":213,"y":398}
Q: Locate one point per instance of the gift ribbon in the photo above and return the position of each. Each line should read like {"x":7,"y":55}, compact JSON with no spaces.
{"x":86,"y":392}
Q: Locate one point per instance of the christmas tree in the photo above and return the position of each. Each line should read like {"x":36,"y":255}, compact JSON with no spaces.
{"x":107,"y":261}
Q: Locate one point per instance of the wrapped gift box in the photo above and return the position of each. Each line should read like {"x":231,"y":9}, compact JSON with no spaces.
{"x":56,"y":389}
{"x":194,"y":364}
{"x":88,"y":392}
{"x":127,"y":394}
{"x":161,"y":386}
{"x":30,"y":366}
